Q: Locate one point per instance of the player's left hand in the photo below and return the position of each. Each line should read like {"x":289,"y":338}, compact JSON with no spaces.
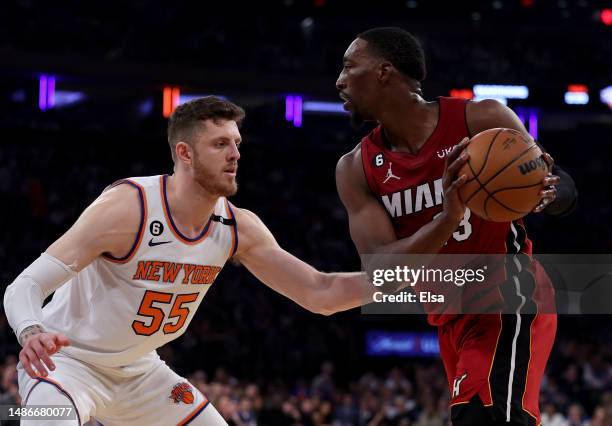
{"x":549,"y":191}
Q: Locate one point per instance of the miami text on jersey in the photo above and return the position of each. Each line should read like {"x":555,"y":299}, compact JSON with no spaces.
{"x":413,"y":200}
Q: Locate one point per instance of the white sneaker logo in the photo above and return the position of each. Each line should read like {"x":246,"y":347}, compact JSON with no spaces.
{"x":390,"y":174}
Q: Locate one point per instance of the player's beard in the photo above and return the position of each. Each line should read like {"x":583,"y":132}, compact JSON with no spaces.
{"x":216,"y":184}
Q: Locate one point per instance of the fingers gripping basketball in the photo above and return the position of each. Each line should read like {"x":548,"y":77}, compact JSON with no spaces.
{"x":504,"y":175}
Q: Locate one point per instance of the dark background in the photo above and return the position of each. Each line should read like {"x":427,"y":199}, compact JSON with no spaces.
{"x":260,"y":358}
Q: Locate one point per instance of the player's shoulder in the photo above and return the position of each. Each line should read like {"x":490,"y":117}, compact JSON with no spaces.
{"x":251,"y":229}
{"x":244,"y":215}
{"x":138,"y":183}
{"x":483,"y":108}
{"x":351,"y":180}
{"x":488,"y":114}
{"x":246,"y":220}
{"x":350,"y":161}
{"x":119,"y":204}
{"x":127,"y":191}
{"x":120,"y":193}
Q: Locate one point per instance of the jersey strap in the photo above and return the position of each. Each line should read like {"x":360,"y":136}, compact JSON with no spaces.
{"x":143,"y":219}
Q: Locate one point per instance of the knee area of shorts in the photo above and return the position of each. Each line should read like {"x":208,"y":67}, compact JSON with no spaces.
{"x":47,"y":394}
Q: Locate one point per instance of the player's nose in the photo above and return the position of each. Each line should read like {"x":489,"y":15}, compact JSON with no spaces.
{"x":340,"y":82}
{"x":234,"y":154}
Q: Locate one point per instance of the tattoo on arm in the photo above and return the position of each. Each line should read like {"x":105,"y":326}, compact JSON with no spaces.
{"x":28,"y":332}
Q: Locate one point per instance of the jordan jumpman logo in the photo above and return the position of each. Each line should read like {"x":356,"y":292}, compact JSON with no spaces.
{"x":390,"y":174}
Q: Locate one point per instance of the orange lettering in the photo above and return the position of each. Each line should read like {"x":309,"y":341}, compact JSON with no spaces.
{"x":153,"y":274}
{"x":188,"y":271}
{"x":197,"y":275}
{"x":171,"y":270}
{"x":141,"y":270}
{"x":213,"y":274}
{"x":206,"y":275}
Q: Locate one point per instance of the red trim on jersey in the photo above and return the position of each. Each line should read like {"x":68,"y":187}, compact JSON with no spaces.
{"x":143,"y":220}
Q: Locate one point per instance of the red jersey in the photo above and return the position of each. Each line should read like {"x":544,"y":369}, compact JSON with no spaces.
{"x":410,"y":188}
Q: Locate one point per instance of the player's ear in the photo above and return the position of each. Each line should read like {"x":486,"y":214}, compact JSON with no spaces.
{"x":385,"y":69}
{"x":184,"y":153}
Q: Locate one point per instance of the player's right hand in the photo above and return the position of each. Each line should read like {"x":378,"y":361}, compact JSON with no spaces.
{"x":454,"y":207}
{"x":37,"y":350}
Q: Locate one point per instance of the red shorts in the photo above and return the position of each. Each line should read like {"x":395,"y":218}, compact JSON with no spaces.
{"x":499,"y":359}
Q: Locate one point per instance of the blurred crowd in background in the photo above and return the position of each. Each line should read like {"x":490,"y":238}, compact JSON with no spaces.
{"x":485,"y":40}
{"x":577,"y":391}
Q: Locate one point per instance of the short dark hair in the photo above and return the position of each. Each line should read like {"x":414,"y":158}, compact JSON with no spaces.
{"x":400,"y":48}
{"x":188,"y":115}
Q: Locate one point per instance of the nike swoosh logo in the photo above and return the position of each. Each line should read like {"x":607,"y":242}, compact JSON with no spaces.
{"x":157,"y":243}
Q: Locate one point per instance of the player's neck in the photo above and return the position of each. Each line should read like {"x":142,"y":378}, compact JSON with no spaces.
{"x":190,"y":205}
{"x":408,"y":122}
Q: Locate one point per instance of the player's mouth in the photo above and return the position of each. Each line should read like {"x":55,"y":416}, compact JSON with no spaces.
{"x":230,"y":171}
{"x":347,"y":102}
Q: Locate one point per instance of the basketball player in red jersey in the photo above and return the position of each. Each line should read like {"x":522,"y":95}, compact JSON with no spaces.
{"x":494,"y":363}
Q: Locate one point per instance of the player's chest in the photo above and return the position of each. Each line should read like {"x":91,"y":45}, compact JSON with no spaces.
{"x":174,"y":266}
{"x":410,"y":186}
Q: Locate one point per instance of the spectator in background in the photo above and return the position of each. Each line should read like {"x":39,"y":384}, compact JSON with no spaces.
{"x":323,"y":383}
{"x":552,"y":417}
{"x":228,"y":408}
{"x":9,"y":392}
{"x":575,"y":416}
{"x":346,"y":413}
{"x":599,"y":417}
{"x":597,"y":374}
{"x":571,"y":384}
{"x":369,"y":408}
{"x":430,"y":416}
{"x":397,"y":382}
{"x":324,"y":414}
{"x":607,"y":404}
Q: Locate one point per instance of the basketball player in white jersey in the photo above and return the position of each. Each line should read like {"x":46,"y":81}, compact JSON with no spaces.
{"x":131,"y":272}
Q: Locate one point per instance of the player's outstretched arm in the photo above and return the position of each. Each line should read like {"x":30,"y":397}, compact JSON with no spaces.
{"x":323,"y":293}
{"x":369,"y":224}
{"x":559,"y":192}
{"x":109,"y":224}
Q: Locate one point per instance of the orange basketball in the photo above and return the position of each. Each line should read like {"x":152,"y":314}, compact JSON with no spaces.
{"x":504,"y":175}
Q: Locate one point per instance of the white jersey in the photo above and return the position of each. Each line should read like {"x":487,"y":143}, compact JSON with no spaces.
{"x":118,"y":311}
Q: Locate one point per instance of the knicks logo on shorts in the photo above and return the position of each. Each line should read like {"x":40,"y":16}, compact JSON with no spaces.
{"x":182,"y":392}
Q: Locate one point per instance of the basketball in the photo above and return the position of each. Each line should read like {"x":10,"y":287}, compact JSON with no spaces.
{"x":504,"y":175}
